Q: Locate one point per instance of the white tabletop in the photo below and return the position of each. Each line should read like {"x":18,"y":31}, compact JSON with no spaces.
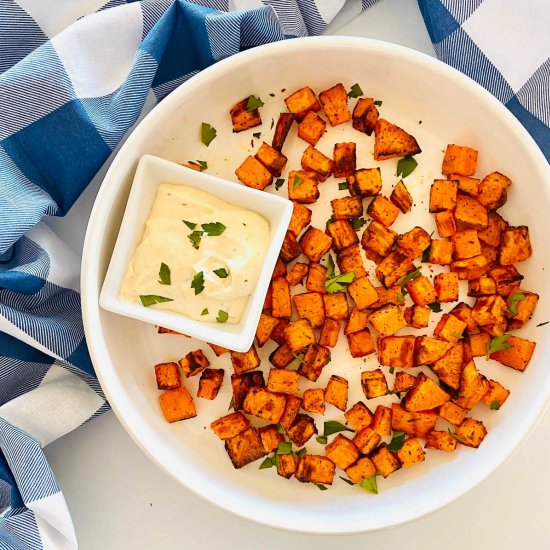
{"x":121,"y":500}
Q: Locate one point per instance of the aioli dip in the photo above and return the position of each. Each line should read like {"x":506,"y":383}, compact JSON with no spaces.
{"x":238,"y":252}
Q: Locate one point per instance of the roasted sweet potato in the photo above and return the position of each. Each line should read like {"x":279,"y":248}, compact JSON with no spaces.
{"x":446,"y":287}
{"x":301,"y":430}
{"x":316,"y":276}
{"x":362,"y":292}
{"x":411,"y":453}
{"x":517,"y":355}
{"x":471,"y":432}
{"x":241,"y":383}
{"x":415,"y":424}
{"x":366,"y":182}
{"x":365,"y":115}
{"x":335,"y":104}
{"x":396,"y":351}
{"x":349,"y":260}
{"x":301,"y":217}
{"x":344,"y":159}
{"x":254,"y":174}
{"x":366,"y":440}
{"x":414,"y":242}
{"x":425,"y":395}
{"x":515,"y":245}
{"x":210,"y":383}
{"x":342,"y":234}
{"x":459,"y":160}
{"x":290,"y":249}
{"x":336,"y":306}
{"x":314,"y":400}
{"x":417,"y":316}
{"x":310,"y":306}
{"x":282,"y":381}
{"x":443,"y":195}
{"x":303,"y":186}
{"x":230,"y":425}
{"x":359,"y":416}
{"x":492,"y":192}
{"x":290,"y":412}
{"x":387,"y":320}
{"x":357,"y":321}
{"x":264,"y":404}
{"x":471,"y":212}
{"x":299,"y":334}
{"x":193,"y":363}
{"x":421,"y":291}
{"x":245,"y":361}
{"x":167,"y":376}
{"x":242,"y":118}
{"x":347,"y":208}
{"x":315,"y":244}
{"x":311,"y":128}
{"x":386,"y":461}
{"x":284,"y":123}
{"x":383,"y":210}
{"x":314,"y":161}
{"x":360,"y":343}
{"x":244,"y":448}
{"x":297,"y":273}
{"x":442,"y":441}
{"x":302,"y":101}
{"x":390,"y":141}
{"x":364,"y":468}
{"x":401,"y":197}
{"x":315,"y":469}
{"x":177,"y":405}
{"x":342,"y":451}
{"x":336,"y":392}
{"x":374,"y":383}
{"x":272,"y":159}
{"x":315,"y":358}
{"x":393,"y":267}
{"x":282,"y":305}
{"x":441,"y":252}
{"x":377,"y":241}
{"x":329,"y":333}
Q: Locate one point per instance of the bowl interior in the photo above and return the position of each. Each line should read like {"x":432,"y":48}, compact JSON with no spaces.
{"x":438,"y":106}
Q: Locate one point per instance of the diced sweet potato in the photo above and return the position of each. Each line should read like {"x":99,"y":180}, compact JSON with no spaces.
{"x":290,"y":412}
{"x":290,"y":248}
{"x":479,"y":343}
{"x":284,"y":123}
{"x":272,"y":159}
{"x":415,"y":424}
{"x":392,"y":141}
{"x":445,"y":223}
{"x":342,"y":451}
{"x":268,"y":300}
{"x":311,"y":128}
{"x":396,"y":351}
{"x":466,"y":185}
{"x":264,"y":404}
{"x":515,"y":245}
{"x":383,"y":210}
{"x":464,"y":312}
{"x":387,"y":320}
{"x":449,"y":328}
{"x":335,"y":104}
{"x":314,"y":400}
{"x":270,"y":437}
{"x":471,"y":212}
{"x":401,"y":197}
{"x":470,"y":268}
{"x":357,"y":321}
{"x":377,"y":241}
{"x":366,"y":440}
{"x":386,"y":461}
{"x":310,"y":306}
{"x":360,"y":343}
{"x":282,"y":305}
{"x":301,"y":217}
{"x":281,"y":356}
{"x":442,"y":441}
{"x":524,"y":308}
{"x":314,"y":161}
{"x":302,"y":101}
{"x":242,"y":118}
{"x":230,"y":425}
{"x":417,"y":316}
{"x":492,"y":192}
{"x":471,"y":432}
{"x":245,"y":361}
{"x":168,"y":376}
{"x":315,"y":281}
{"x":342,"y":234}
{"x":279,"y":270}
{"x":193,"y":363}
{"x":465,"y":244}
{"x":366,"y":182}
{"x":443,"y":195}
{"x":449,"y":367}
{"x":303,"y":186}
{"x":253,"y":173}
{"x":507,"y":279}
{"x":344,"y":159}
{"x":441,"y":252}
{"x":359,"y":416}
{"x":364,"y":468}
{"x":297,"y":273}
{"x":414,"y":242}
{"x":177,"y":405}
{"x":315,"y":469}
{"x":282,"y":381}
{"x":425,"y":395}
{"x":452,"y":413}
{"x":210,"y":383}
{"x":349,"y":260}
{"x":362,"y":292}
{"x":381,"y":422}
{"x":391,"y":295}
{"x":299,"y":334}
{"x":481,"y":286}
{"x":347,"y":208}
{"x":244,"y":448}
{"x":488,"y":312}
{"x":459,"y":160}
{"x":496,"y":395}
{"x":393,"y":267}
{"x":315,"y":358}
{"x":403,"y":381}
{"x":241,"y":383}
{"x":286,"y":467}
{"x":421,"y":291}
{"x":336,"y":306}
{"x":329,"y":333}
{"x":517,"y":355}
{"x":374,"y":383}
{"x":301,"y":430}
{"x":473,"y":386}
{"x":446,"y":287}
{"x":365,"y":115}
{"x":336,"y":392}
{"x":411,"y":453}
{"x":491,"y":234}
{"x":315,"y":244}
{"x":428,"y":350}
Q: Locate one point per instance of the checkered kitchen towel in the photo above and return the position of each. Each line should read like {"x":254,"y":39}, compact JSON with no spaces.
{"x":72,"y":83}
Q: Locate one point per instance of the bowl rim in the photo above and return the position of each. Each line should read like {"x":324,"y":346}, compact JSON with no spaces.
{"x":106,"y":373}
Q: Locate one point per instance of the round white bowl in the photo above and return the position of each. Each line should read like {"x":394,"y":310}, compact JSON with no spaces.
{"x":414,"y":88}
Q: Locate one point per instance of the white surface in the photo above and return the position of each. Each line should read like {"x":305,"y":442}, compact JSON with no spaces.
{"x":119,"y":499}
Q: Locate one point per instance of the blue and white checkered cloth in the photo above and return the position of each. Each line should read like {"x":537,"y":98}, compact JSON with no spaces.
{"x":73,"y":80}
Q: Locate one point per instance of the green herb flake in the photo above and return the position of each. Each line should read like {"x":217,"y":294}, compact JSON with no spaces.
{"x":370,"y":485}
{"x":426,"y":254}
{"x":298,"y":358}
{"x":329,"y":221}
{"x":498,"y":343}
{"x":542,"y":324}
{"x":150,"y":299}
{"x":190,"y":225}
{"x":392,"y":370}
{"x":406,"y":166}
{"x":198,"y":282}
{"x":321,"y":439}
{"x":276,"y":461}
{"x":378,"y":102}
{"x":400,"y":298}
{"x":355,"y":91}
{"x":410,"y":276}
{"x":457,"y":437}
{"x":358,"y":223}
{"x":257,"y":135}
{"x":164,"y":275}
{"x":231,"y":404}
{"x":267,"y":463}
{"x":457,"y":335}
{"x":214,"y":229}
{"x":330,"y":267}
{"x":195,"y":238}
{"x":221,"y":273}
{"x":278,"y":183}
{"x":333,"y":427}
{"x":272,"y":123}
{"x":435,"y":307}
{"x":301,"y":452}
{"x":397,"y":440}
{"x":348,"y":481}
{"x":343,"y":185}
{"x":222,"y":316}
{"x":284,"y":448}
{"x":320,"y":487}
{"x":280,"y":429}
{"x":253,"y":103}
{"x":336,"y":284}
{"x":208,"y":133}
{"x":297,"y":181}
{"x":495,"y":405}
{"x":514,"y":299}
{"x":204,"y":311}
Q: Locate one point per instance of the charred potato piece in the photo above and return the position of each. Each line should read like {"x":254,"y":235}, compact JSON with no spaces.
{"x":281,"y":356}
{"x":517,"y":355}
{"x":396,"y":351}
{"x":377,"y":241}
{"x":362,"y":292}
{"x":403,"y":381}
{"x":357,"y":321}
{"x":254,"y":174}
{"x":470,"y":212}
{"x":359,"y":416}
{"x":425,"y":395}
{"x":242,"y":118}
{"x":421,"y":291}
{"x":449,"y":367}
{"x":415,"y":424}
{"x":393,"y":267}
{"x":301,"y":430}
{"x":496,"y":394}
{"x":349,"y":260}
{"x":452,"y":413}
{"x":429,"y":350}
{"x":315,"y":469}
{"x":282,"y":305}
{"x":414,"y":242}
{"x":364,"y":468}
{"x":446,"y":287}
{"x":314,"y":161}
{"x":442,"y":441}
{"x":270,"y":437}
{"x":264,"y":404}
{"x":315,"y":358}
{"x":515,"y":245}
{"x":290,"y":248}
{"x":366,"y":440}
{"x":284,"y":123}
{"x":473,"y":386}
{"x":492,"y":192}
{"x":401,"y":197}
{"x":245,"y":361}
{"x":329,"y":333}
{"x":335,"y":104}
{"x":374,"y":383}
{"x":336,"y":306}
{"x":365,"y":115}
{"x":342,"y":234}
{"x":299,"y":334}
{"x":244,"y":448}
{"x":466,"y":185}
{"x":366,"y":182}
{"x":387,"y":320}
{"x":344,"y":159}
{"x":286,"y":467}
{"x":445,"y":223}
{"x":210,"y":383}
{"x":386,"y":461}
{"x":272,"y":159}
{"x":193,"y":363}
{"x":297,"y":274}
{"x":316,"y":277}
{"x":465,"y":244}
{"x":314,"y":400}
{"x":411,"y":453}
{"x":471,"y":432}
{"x":230,"y":425}
{"x":282,"y":381}
{"x":391,"y":141}
{"x":241,"y":383}
{"x":290,"y":412}
{"x":491,"y":234}
{"x":381,"y":422}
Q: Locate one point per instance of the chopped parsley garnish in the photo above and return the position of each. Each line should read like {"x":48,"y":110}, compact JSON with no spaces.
{"x":195,"y":238}
{"x":330,"y":220}
{"x":498,"y":343}
{"x":301,"y":452}
{"x":231,"y":404}
{"x":406,"y":166}
{"x":397,"y":440}
{"x":253,"y":103}
{"x":342,"y":185}
{"x":214,"y":229}
{"x":457,"y":437}
{"x":222,"y":316}
{"x":426,"y":254}
{"x":279,"y":182}
{"x":392,"y":370}
{"x":204,"y":311}
{"x":280,"y":429}
{"x":267,"y":463}
{"x":190,"y":225}
{"x":257,"y":135}
{"x":435,"y":307}
{"x":358,"y":223}
{"x":208,"y":133}
{"x":164,"y":275}
{"x":297,"y":181}
{"x":337,"y":284}
{"x":378,"y":102}
{"x":410,"y":276}
{"x":321,"y":439}
{"x":514,"y":299}
{"x":150,"y":299}
{"x":542,"y":324}
{"x":457,"y":335}
{"x":320,"y":487}
{"x":198,"y":282}
{"x":348,"y":481}
{"x":495,"y":405}
{"x":330,"y":267}
{"x":333,"y":427}
{"x":284,"y":448}
{"x":355,"y":91}
{"x":221,"y":273}
{"x":370,"y":485}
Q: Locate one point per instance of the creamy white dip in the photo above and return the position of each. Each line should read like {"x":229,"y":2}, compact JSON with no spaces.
{"x":240,"y":251}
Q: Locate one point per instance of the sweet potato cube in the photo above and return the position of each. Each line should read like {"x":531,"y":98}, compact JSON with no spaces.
{"x":270,"y":437}
{"x":387,"y":320}
{"x":168,"y":376}
{"x":391,"y":141}
{"x":336,"y":306}
{"x":361,"y":343}
{"x":290,"y":248}
{"x":342,"y":451}
{"x":411,"y":453}
{"x":421,"y":291}
{"x":525,"y":309}
{"x":230,"y":425}
{"x":507,"y":279}
{"x":464,"y":312}
{"x":515,"y":245}
{"x":470,"y":268}
{"x":396,"y":351}
{"x":362,"y":292}
{"x":492,"y":192}
{"x":491,"y":234}
{"x":374,"y":383}
{"x":488,"y":312}
{"x":315,"y":244}
{"x":315,"y":469}
{"x":359,"y":416}
{"x":394,"y":266}
{"x":312,"y":128}
{"x":329,"y":333}
{"x":268,"y":300}
{"x":518,"y":355}
{"x":449,"y":367}
{"x":193,"y":363}
{"x":386,"y":461}
{"x":357,"y":321}
{"x":383,"y":210}
{"x":314,"y":161}
{"x":264,"y":404}
{"x":473,"y":386}
{"x":482,"y":286}
{"x":302,"y":101}
{"x":282,"y":381}
{"x":303,"y":186}
{"x":310,"y":306}
{"x":316,"y":277}
{"x":479,"y":343}
{"x":335,"y":104}
{"x":297,"y":273}
{"x":336,"y":392}
{"x":315,"y":358}
{"x":471,"y":212}
{"x":253,"y":173}
{"x":278,"y":334}
{"x":452,"y":413}
{"x":242,"y":118}
{"x":241,"y":383}
{"x":466,"y":185}
{"x":414,"y":242}
{"x":347,"y":208}
{"x":417,"y":316}
{"x":415,"y":424}
{"x":344,"y":159}
{"x":349,"y":260}
{"x":381,"y":422}
{"x":210,"y":383}
{"x":401,"y":197}
{"x":299,"y":334}
{"x":245,"y":361}
{"x":441,"y":252}
{"x":496,"y":395}
{"x":403,"y":381}
{"x":364,"y":468}
{"x":450,"y":328}
{"x":284,"y":123}
{"x":286,"y":467}
{"x":366,"y":440}
{"x":446,"y":287}
{"x":290,"y":412}
{"x":314,"y":400}
{"x":445,"y":223}
{"x":377,"y":241}
{"x":459,"y":160}
{"x":365,"y":115}
{"x":177,"y":405}
{"x":279,"y":270}
{"x":272,"y":159}
{"x":428,"y":350}
{"x":281,"y":356}
{"x":425,"y":395}
{"x":301,"y":217}
{"x":342,"y":234}
{"x":244,"y":448}
{"x":391,"y":295}
{"x":443,"y":195}
{"x":301,"y":430}
{"x":282,"y":305}
{"x":471,"y":432}
{"x":365,"y":182}
{"x":465,"y":244}
{"x":442,"y":441}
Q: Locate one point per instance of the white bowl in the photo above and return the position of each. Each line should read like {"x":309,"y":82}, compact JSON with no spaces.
{"x":150,"y":173}
{"x":414,"y":88}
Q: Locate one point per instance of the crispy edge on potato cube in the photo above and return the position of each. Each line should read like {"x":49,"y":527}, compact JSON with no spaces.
{"x":270,"y":437}
{"x":281,"y":356}
{"x":396,"y":351}
{"x":342,"y":451}
{"x":301,"y":430}
{"x":488,"y":313}
{"x":391,"y":141}
{"x":210,"y":383}
{"x":471,"y":212}
{"x":518,"y":355}
{"x":381,"y":422}
{"x":415,"y":424}
{"x":230,"y":425}
{"x":471,"y":432}
{"x":313,"y":160}
{"x":473,"y":386}
{"x":443,"y":195}
{"x":365,"y":182}
{"x":301,"y":217}
{"x":329,"y":333}
{"x":377,"y":241}
{"x":459,"y":160}
{"x":282,"y":381}
{"x":315,"y":469}
{"x":244,"y":448}
{"x":297,"y":273}
{"x":414,"y":242}
{"x":315,"y":244}
{"x":167,"y":376}
{"x":446,"y":287}
{"x":302,"y":101}
{"x":496,"y":394}
{"x":314,"y":400}
{"x":316,"y":277}
{"x":242,"y":118}
{"x":465,"y":244}
{"x":441,"y":441}
{"x":428,"y":350}
{"x":491,"y":234}
{"x":336,"y":392}
{"x":359,"y":416}
{"x":401,"y":197}
{"x":335,"y":104}
{"x":310,"y":306}
{"x":311,"y":128}
{"x":286,"y":467}
{"x":284,"y":123}
{"x":374,"y":383}
{"x":361,"y":343}
{"x":265,"y":328}
{"x":445,"y":223}
{"x":245,"y":361}
{"x":357,"y":321}
{"x":403,"y":381}
{"x":452,"y":413}
{"x":492,"y":191}
{"x":264,"y":404}
{"x":515,"y":245}
{"x":425,"y":395}
{"x":365,"y":115}
{"x":386,"y":461}
{"x":362,"y":292}
{"x":299,"y":334}
{"x":344,"y":159}
{"x":303,"y":186}
{"x":525,"y":309}
{"x":411,"y":453}
{"x":177,"y":405}
{"x":272,"y":159}
{"x":382,"y":210}
{"x":364,"y":468}
{"x":193,"y":363}
{"x":254,"y":174}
